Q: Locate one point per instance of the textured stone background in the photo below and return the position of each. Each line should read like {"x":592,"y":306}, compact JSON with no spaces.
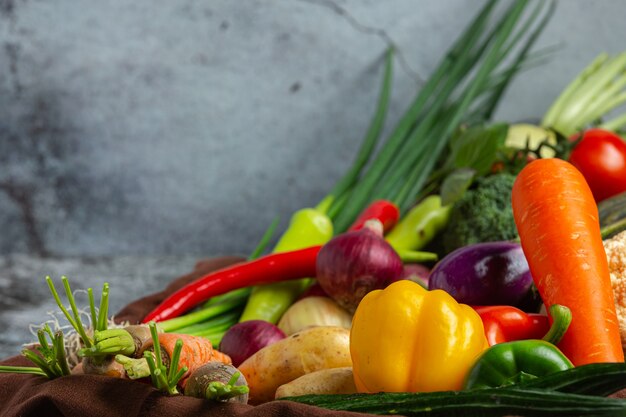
{"x":181,"y":128}
{"x":162,"y":127}
{"x":25,"y":299}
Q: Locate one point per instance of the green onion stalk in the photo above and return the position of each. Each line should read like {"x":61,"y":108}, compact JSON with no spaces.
{"x":475,"y":103}
{"x":399,"y":169}
{"x":470,"y":74}
{"x":468,"y":83}
{"x":599,"y":89}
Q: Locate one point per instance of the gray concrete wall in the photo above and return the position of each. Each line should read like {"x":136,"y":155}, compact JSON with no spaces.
{"x":184,"y":127}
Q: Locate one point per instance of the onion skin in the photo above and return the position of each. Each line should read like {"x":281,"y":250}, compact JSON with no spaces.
{"x":314,"y":290}
{"x":355,"y":263}
{"x":246,"y":338}
{"x":314,"y":311}
{"x":488,"y":273}
{"x":417,"y":273}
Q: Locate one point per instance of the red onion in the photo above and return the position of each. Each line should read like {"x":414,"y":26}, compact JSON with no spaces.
{"x":355,"y":263}
{"x":314,"y":290}
{"x":417,"y":273}
{"x":246,"y":338}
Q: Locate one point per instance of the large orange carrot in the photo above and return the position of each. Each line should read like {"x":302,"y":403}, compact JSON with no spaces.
{"x":196,"y":352}
{"x":557,"y":221}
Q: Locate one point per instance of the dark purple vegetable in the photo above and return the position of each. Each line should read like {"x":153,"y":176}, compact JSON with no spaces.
{"x":244,"y":339}
{"x":355,"y":263}
{"x":416,"y":273}
{"x":314,"y":290}
{"x":484,"y":274}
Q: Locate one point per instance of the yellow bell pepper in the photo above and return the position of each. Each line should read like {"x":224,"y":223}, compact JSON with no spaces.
{"x":407,"y":339}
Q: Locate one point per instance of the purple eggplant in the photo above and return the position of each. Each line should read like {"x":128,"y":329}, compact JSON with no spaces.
{"x":484,"y":274}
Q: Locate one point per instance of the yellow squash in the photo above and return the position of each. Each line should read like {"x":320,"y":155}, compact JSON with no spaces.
{"x":407,"y":339}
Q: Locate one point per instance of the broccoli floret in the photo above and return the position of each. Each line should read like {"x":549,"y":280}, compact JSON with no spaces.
{"x":483,"y":214}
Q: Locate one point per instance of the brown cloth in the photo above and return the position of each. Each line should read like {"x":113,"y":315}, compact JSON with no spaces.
{"x":90,"y":395}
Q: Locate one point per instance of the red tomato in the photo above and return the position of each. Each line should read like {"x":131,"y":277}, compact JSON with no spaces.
{"x":601,"y":157}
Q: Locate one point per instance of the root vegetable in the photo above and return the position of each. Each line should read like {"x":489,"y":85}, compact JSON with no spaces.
{"x":141,"y":336}
{"x":195,"y":353}
{"x":557,"y":220}
{"x":304,"y":352}
{"x":218,"y":381}
{"x":103,"y":366}
{"x":326,"y":381}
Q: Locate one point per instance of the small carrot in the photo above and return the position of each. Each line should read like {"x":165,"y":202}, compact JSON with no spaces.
{"x":557,"y":221}
{"x":221,"y":357}
{"x":168,"y":359}
{"x":196,"y":351}
{"x":101,"y":366}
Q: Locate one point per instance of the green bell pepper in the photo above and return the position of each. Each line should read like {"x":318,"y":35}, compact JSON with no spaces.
{"x":513,"y":362}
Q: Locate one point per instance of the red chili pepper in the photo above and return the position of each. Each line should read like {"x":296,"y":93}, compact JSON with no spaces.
{"x":276,"y":267}
{"x":383,"y":210}
{"x":507,"y":323}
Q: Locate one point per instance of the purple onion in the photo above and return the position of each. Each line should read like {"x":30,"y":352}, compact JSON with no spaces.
{"x":484,"y":274}
{"x":417,"y":273}
{"x":314,"y":290}
{"x":355,"y":263}
{"x":246,"y":338}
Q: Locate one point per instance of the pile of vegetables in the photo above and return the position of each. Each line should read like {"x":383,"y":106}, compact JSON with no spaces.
{"x":459,"y":264}
{"x":172,"y":362}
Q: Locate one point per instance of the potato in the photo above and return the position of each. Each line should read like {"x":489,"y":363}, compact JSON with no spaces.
{"x":301,"y":353}
{"x":326,"y":381}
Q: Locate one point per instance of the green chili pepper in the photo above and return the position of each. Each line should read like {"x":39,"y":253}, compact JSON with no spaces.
{"x":419,"y":225}
{"x":308,"y":227}
{"x":513,"y":362}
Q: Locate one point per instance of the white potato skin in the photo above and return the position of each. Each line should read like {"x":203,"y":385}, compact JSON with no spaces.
{"x":304,"y":352}
{"x":326,"y":381}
